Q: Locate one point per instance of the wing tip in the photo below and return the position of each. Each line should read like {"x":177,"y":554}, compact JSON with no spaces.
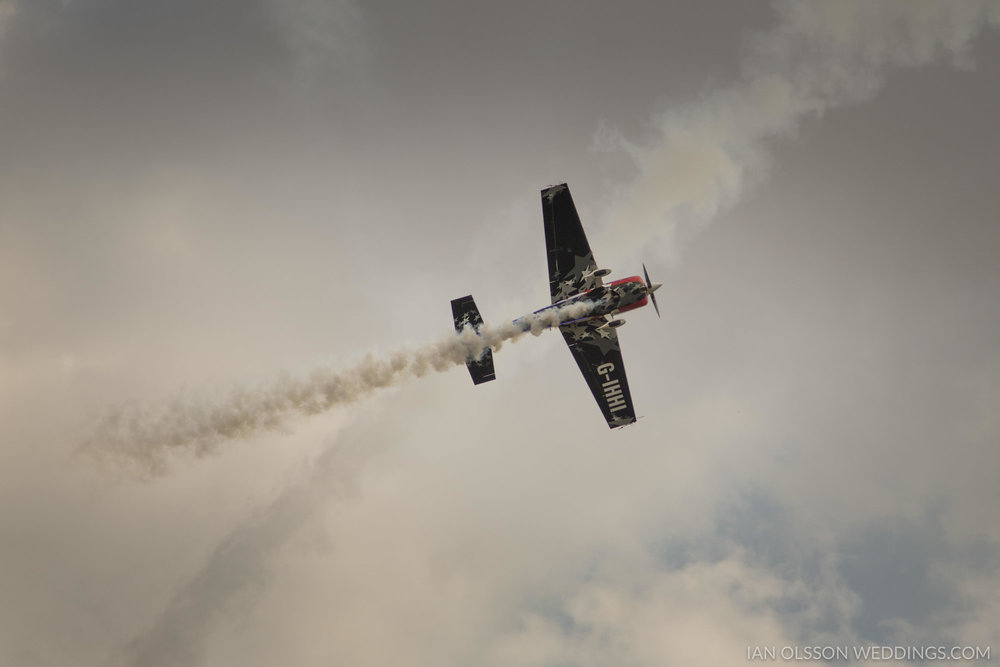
{"x":621,"y":422}
{"x":549,"y":193}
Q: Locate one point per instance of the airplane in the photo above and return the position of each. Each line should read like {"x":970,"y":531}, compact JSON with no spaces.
{"x":574,"y":278}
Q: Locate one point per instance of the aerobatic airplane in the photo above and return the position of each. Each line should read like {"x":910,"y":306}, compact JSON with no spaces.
{"x":575,"y":278}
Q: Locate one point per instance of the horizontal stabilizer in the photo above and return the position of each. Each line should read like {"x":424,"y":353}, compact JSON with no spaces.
{"x":466,"y":314}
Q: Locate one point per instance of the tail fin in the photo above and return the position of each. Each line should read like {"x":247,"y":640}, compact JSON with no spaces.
{"x":465,"y":312}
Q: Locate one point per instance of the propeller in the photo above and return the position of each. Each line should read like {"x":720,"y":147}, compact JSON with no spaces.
{"x":650,"y":288}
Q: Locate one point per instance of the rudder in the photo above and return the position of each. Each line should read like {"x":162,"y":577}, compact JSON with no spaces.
{"x":465,"y":313}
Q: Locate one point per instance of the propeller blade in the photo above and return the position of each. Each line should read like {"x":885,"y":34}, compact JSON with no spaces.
{"x":650,"y":289}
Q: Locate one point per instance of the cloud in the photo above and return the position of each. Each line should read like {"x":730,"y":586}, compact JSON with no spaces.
{"x":705,"y":613}
{"x":815,"y":465}
{"x":239,"y":568}
{"x":324,"y":36}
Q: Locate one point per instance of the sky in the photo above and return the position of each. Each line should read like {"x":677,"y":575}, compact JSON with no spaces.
{"x":207,"y":206}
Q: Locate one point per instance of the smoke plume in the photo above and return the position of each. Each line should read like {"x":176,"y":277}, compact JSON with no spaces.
{"x":143,"y":439}
{"x":819,"y":56}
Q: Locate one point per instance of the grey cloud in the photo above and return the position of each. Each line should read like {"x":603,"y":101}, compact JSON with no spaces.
{"x":199,"y":194}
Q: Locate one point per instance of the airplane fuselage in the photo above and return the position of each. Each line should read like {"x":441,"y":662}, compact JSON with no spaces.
{"x":611,"y":299}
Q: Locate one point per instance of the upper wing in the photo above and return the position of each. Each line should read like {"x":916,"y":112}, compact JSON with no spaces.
{"x":599,"y":357}
{"x":570,"y":259}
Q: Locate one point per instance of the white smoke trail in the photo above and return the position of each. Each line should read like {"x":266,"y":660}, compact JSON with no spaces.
{"x":143,"y":440}
{"x":819,"y":56}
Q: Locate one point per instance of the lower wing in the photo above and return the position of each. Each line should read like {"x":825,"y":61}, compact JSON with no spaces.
{"x":595,"y":347}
